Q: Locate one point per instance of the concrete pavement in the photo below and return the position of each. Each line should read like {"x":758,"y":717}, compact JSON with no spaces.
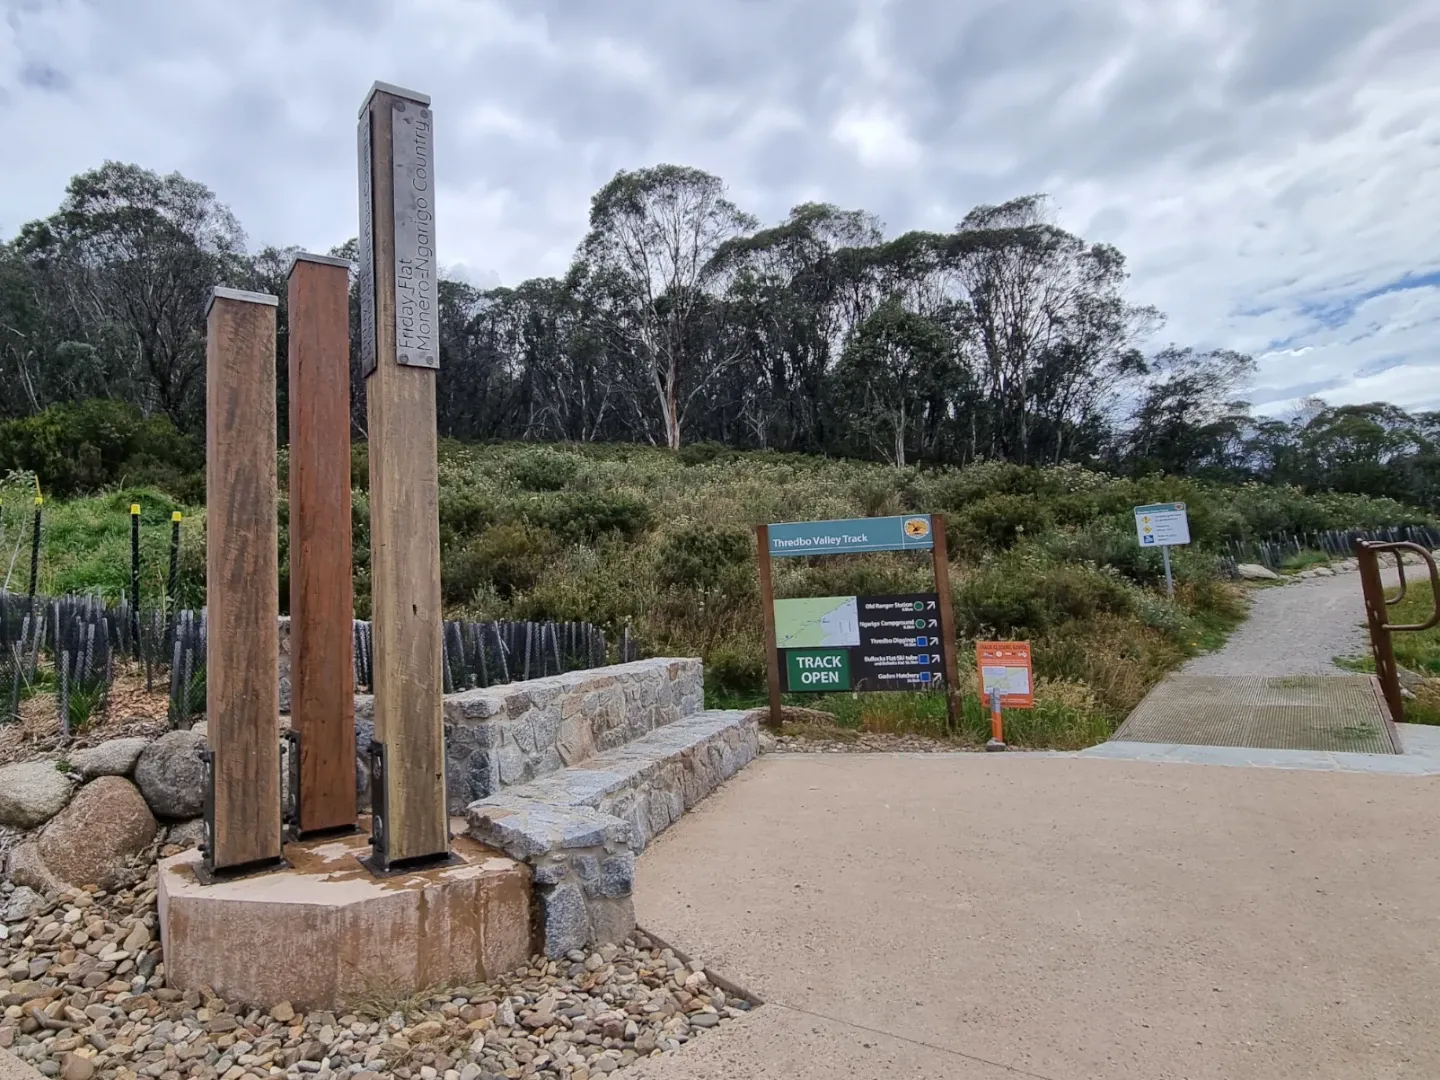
{"x":985,"y":916}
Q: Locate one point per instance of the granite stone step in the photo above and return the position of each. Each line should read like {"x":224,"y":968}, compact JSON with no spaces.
{"x":580,"y":829}
{"x":647,"y":783}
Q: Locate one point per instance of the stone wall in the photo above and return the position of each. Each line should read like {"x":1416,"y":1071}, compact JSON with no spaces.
{"x":511,"y":734}
{"x":154,"y":789}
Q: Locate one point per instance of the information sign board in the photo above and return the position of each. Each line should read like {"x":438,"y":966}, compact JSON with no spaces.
{"x":1005,"y":666}
{"x":821,"y":644}
{"x":911,"y":532}
{"x":883,"y":642}
{"x":1162,"y":525}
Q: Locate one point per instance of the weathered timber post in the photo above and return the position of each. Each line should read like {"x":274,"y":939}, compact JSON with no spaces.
{"x":322,"y":609}
{"x":400,"y":353}
{"x":242,"y":668}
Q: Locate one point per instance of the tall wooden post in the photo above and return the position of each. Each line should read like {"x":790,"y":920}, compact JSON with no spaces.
{"x":242,"y":666}
{"x":940,"y":560}
{"x":400,"y":353}
{"x":767,"y":604}
{"x":322,"y":609}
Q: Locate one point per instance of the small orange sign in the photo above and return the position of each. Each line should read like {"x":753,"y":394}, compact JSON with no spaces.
{"x":1005,"y":666}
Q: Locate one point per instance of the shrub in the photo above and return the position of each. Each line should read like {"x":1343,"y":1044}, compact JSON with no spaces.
{"x":464,"y":513}
{"x":704,"y":452}
{"x":360,"y":466}
{"x":736,"y":667}
{"x":1016,"y":597}
{"x":88,"y":445}
{"x":508,"y":557}
{"x":589,"y":515}
{"x":701,"y":557}
{"x":542,"y":469}
{"x":997,"y":522}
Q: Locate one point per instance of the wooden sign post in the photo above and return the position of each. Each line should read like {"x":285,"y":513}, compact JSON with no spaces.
{"x":859,"y":643}
{"x":399,"y":336}
{"x":242,"y":665}
{"x":322,"y":609}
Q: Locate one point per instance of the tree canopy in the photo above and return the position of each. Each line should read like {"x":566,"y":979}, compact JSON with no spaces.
{"x":683,"y":319}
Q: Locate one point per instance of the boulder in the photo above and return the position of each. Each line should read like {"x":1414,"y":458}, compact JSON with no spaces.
{"x":1256,"y":572}
{"x":186,"y":834}
{"x":171,"y":775}
{"x":105,"y":824}
{"x":1324,"y":571}
{"x":25,"y":867}
{"x":32,"y":792}
{"x":21,"y":904}
{"x":117,"y":757}
{"x":1408,"y":679}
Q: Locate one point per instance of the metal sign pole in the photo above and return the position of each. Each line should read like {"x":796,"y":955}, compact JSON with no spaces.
{"x":1169,"y":581}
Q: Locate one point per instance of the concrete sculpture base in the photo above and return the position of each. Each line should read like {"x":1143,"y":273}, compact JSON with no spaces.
{"x":325,"y":931}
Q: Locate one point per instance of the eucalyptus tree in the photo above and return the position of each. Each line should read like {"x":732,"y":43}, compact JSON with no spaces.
{"x":654,"y":234}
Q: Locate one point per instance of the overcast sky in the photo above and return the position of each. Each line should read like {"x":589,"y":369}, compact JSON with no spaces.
{"x":1270,"y":167}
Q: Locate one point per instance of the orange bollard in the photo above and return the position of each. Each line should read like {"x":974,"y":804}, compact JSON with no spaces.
{"x":997,"y":724}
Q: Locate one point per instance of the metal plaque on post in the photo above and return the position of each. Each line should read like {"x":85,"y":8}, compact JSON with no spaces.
{"x":416,"y":301}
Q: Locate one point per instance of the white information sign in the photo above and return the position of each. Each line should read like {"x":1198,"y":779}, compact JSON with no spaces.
{"x":1162,"y":525}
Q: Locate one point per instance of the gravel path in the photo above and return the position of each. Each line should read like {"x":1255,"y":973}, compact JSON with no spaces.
{"x":1296,"y":629}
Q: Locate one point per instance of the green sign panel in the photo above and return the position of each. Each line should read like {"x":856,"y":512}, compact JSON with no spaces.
{"x":817,"y":669}
{"x":910,"y":532}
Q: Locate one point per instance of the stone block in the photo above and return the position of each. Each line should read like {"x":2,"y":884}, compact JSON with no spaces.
{"x":525,"y":828}
{"x":567,"y":918}
{"x":325,"y":930}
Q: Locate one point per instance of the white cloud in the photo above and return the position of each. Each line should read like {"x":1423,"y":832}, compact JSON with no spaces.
{"x":877,"y":136}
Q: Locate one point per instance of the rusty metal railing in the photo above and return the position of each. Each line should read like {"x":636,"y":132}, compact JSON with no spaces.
{"x":1377,"y":611}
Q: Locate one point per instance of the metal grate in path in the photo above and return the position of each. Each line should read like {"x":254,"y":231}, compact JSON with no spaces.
{"x":1286,"y":712}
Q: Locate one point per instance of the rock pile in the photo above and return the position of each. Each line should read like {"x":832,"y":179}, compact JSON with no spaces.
{"x":93,"y":813}
{"x":84,"y":995}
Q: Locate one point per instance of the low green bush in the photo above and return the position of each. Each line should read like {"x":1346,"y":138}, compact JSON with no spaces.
{"x":90,"y":445}
{"x":702,"y":557}
{"x":588,"y":515}
{"x":510,"y":558}
{"x":997,"y":522}
{"x":542,"y":469}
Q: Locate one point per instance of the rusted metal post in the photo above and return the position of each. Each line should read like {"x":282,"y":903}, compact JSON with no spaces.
{"x":1367,"y":557}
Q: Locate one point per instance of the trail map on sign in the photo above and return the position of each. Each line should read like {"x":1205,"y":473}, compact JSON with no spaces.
{"x":817,"y":622}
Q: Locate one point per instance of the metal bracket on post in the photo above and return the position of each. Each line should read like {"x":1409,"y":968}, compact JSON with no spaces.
{"x":291,"y":827}
{"x":206,"y":872}
{"x":290,"y":785}
{"x":378,"y":861}
{"x":207,"y":845}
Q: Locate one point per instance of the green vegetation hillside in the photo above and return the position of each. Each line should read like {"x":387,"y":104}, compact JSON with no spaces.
{"x":662,"y":542}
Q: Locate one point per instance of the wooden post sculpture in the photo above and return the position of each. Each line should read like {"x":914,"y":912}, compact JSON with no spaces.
{"x":242,"y":666}
{"x":400,"y":354}
{"x":322,"y":610}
